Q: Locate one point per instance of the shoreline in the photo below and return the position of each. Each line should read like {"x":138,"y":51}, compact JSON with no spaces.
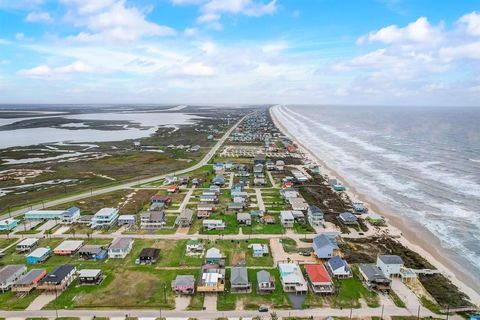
{"x":428,"y":248}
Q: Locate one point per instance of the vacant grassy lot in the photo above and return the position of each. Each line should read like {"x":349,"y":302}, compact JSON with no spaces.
{"x":289,"y":245}
{"x":261,"y":228}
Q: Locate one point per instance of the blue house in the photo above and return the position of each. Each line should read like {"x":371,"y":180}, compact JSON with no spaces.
{"x":347,"y":218}
{"x":8,"y":224}
{"x":325,"y":246}
{"x":219,"y":180}
{"x":39,"y":255}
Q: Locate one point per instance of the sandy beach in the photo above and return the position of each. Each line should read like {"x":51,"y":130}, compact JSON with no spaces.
{"x":411,"y":235}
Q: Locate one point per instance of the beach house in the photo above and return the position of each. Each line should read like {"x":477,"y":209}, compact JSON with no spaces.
{"x":92,"y":252}
{"x":120,"y":248}
{"x":319,"y":279}
{"x":347,"y":218}
{"x":244,"y":219}
{"x":287,"y":219}
{"x":71,"y":215}
{"x":105,"y":218}
{"x":213,"y":255}
{"x":68,"y":247}
{"x":39,"y":255}
{"x":184,"y":219}
{"x":339,"y":268}
{"x":149,"y":255}
{"x":259,"y":250}
{"x":152,"y":220}
{"x":315,"y":216}
{"x":8,"y":224}
{"x":209,"y":224}
{"x":239,"y":279}
{"x":184,"y":284}
{"x":390,"y":265}
{"x":90,"y":276}
{"x":58,"y":279}
{"x":26,"y":245}
{"x":265,"y":282}
{"x":29,"y":281}
{"x":127,"y":220}
{"x":194,"y":246}
{"x":212,"y":277}
{"x":9,"y":275}
{"x":325,"y":246}
{"x":292,"y":278}
{"x":373,"y":277}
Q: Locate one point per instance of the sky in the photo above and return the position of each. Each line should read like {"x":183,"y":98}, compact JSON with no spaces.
{"x":377,"y":52}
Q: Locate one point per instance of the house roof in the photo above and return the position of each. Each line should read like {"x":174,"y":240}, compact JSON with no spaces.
{"x":149,"y":253}
{"x":323,"y":240}
{"x":184,"y":280}
{"x":390,"y":259}
{"x":70,"y":211}
{"x":27,"y":242}
{"x":39,"y":252}
{"x":348,"y":217}
{"x":286,"y":215}
{"x":317,"y":273}
{"x":89,"y":273}
{"x":90,"y":249}
{"x":263,"y":276}
{"x":58,"y":274}
{"x":213,"y":253}
{"x":69,"y":245}
{"x":186,"y":214}
{"x":371,"y":271}
{"x":314,"y":210}
{"x":239,"y":275}
{"x":336,"y":263}
{"x":121,"y":243}
{"x":7,"y":271}
{"x":243,"y":216}
{"x":31,"y":276}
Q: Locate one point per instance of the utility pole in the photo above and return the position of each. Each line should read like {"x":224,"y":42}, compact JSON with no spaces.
{"x":381,"y":317}
{"x":448,"y":311}
{"x":351,"y":310}
{"x":418,"y":312}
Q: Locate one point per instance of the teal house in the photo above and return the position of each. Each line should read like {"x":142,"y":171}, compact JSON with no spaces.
{"x":8,"y":224}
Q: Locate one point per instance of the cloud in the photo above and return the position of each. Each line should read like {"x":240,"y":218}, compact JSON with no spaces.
{"x":246,"y":7}
{"x":420,"y":31}
{"x":471,"y":23}
{"x":112,"y":20}
{"x":190,"y":32}
{"x":44,"y":71}
{"x":208,"y":17}
{"x":39,"y":16}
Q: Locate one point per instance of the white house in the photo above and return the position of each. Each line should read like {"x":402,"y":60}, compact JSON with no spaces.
{"x":292,"y":278}
{"x":339,"y":268}
{"x":105,"y":217}
{"x":209,"y":224}
{"x":390,"y":265}
{"x":287,"y":219}
{"x":120,"y":248}
{"x":9,"y":275}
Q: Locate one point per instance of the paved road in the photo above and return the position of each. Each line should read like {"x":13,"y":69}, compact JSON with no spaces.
{"x":388,"y":311}
{"x":88,"y":194}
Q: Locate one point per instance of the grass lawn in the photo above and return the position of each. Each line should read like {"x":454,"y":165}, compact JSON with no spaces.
{"x":350,"y":291}
{"x":237,"y":250}
{"x":303,"y":228}
{"x":10,"y":301}
{"x":252,"y":301}
{"x":262,"y":228}
{"x":196,"y":303}
{"x":396,"y":299}
{"x":6,"y":242}
{"x":231,"y":226}
{"x":289,"y":245}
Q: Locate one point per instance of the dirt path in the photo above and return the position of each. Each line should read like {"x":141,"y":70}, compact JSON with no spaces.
{"x":272,"y":181}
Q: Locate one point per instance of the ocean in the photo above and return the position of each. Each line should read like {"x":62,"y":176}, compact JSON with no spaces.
{"x":421,"y":162}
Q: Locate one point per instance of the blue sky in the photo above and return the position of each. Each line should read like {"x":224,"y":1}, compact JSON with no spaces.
{"x":387,"y":52}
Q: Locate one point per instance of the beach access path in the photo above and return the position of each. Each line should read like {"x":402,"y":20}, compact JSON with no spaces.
{"x":130,"y":184}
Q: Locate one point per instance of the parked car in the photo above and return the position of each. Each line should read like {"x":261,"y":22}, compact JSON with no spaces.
{"x":263,"y":308}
